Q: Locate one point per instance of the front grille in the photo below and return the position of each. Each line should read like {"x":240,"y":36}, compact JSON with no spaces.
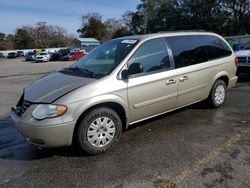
{"x":25,"y":106}
{"x":39,"y":57}
{"x":244,"y":59}
{"x":36,"y":141}
{"x":22,"y":106}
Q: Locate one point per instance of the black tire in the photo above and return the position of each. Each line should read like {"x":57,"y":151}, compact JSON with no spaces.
{"x":84,"y":126}
{"x":212,"y":96}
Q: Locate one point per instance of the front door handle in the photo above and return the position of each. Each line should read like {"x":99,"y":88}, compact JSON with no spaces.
{"x":171,"y":81}
{"x":183,"y":78}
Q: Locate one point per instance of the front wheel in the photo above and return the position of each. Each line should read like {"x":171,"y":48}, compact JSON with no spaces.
{"x":218,"y":94}
{"x":99,"y":130}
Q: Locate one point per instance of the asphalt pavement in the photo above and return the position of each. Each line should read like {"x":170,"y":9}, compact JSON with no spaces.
{"x":191,"y":147}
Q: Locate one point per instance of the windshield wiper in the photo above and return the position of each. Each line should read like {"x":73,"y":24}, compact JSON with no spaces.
{"x":87,"y":71}
{"x":82,"y":70}
{"x":73,"y":68}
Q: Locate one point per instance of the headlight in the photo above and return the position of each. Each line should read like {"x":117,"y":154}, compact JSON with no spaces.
{"x":43,"y":111}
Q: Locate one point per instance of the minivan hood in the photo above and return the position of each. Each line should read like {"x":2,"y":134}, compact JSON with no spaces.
{"x":51,"y":87}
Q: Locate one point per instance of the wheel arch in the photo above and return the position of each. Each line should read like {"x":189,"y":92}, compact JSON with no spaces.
{"x":121,"y":110}
{"x":223,"y":75}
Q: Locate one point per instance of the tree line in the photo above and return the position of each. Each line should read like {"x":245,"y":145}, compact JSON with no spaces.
{"x":225,"y":17}
{"x":41,"y":35}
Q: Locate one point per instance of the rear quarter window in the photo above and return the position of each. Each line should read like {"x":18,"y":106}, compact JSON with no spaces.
{"x":194,"y":49}
{"x":217,"y":48}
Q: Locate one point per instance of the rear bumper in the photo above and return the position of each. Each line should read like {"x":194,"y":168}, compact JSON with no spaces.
{"x":232,"y":81}
{"x":45,"y":136}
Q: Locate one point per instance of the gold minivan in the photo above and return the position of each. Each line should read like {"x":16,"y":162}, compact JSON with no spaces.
{"x":122,"y":82}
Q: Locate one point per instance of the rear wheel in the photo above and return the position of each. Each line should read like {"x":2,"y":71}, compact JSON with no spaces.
{"x":218,"y":94}
{"x":99,"y":130}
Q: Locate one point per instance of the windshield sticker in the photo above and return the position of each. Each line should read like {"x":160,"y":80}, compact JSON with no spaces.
{"x":129,"y":41}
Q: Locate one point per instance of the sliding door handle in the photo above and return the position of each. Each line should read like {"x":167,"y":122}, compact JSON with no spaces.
{"x":183,"y":78}
{"x":171,"y":81}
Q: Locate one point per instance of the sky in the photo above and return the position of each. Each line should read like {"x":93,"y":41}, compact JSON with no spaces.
{"x":65,"y":13}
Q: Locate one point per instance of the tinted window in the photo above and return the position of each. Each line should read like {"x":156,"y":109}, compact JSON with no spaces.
{"x":188,"y":50}
{"x":216,"y":48}
{"x":152,"y":55}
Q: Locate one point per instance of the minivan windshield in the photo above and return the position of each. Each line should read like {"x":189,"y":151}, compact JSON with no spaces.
{"x":105,"y":58}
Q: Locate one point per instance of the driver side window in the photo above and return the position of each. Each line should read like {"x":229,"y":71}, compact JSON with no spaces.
{"x":152,"y":55}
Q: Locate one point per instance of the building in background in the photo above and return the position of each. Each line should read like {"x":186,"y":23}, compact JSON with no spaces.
{"x":86,"y":44}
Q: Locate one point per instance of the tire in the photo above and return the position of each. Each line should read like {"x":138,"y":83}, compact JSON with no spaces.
{"x":94,"y":135}
{"x":218,"y":94}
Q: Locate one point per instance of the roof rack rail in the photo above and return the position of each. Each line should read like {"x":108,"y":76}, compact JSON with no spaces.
{"x":197,"y":30}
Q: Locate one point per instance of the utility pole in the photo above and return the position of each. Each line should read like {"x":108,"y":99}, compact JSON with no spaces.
{"x":145,"y":16}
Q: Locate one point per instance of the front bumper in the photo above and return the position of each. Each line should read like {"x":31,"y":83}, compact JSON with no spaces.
{"x":44,"y":59}
{"x":55,"y":135}
{"x":243,"y":68}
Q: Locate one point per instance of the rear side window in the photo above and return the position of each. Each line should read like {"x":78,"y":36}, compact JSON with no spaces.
{"x":152,"y":55}
{"x":216,"y":48}
{"x":187,"y":50}
{"x":194,"y":49}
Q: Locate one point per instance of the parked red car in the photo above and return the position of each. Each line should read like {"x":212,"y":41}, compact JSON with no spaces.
{"x":73,"y":56}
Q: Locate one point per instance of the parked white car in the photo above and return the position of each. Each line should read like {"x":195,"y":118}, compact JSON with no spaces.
{"x":244,"y":59}
{"x":43,"y":57}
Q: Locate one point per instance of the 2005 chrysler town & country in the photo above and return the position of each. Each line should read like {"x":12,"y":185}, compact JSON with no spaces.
{"x":121,"y":82}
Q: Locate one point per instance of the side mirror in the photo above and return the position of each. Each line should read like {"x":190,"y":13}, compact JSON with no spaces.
{"x":124,"y":74}
{"x":135,"y":68}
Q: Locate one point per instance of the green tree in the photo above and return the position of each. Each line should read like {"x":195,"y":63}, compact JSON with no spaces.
{"x":92,"y":26}
{"x":2,"y":36}
{"x":22,"y":39}
{"x":113,"y":25}
{"x":227,"y":17}
{"x":133,"y":21}
{"x":121,"y":32}
{"x":9,"y":42}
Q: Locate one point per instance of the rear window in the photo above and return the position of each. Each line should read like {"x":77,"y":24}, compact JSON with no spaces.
{"x":194,"y":49}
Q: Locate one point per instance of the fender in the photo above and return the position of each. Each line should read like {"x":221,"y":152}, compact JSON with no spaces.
{"x":87,"y":104}
{"x":220,"y":74}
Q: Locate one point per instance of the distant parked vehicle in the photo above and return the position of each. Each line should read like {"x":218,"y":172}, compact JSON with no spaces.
{"x":58,"y":56}
{"x":12,"y":55}
{"x":1,"y":55}
{"x":43,"y":57}
{"x":30,"y":56}
{"x":244,"y":59}
{"x":54,"y":56}
{"x":73,"y":56}
{"x":20,"y":54}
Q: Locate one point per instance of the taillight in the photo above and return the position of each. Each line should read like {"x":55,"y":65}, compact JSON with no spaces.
{"x":236,"y":61}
